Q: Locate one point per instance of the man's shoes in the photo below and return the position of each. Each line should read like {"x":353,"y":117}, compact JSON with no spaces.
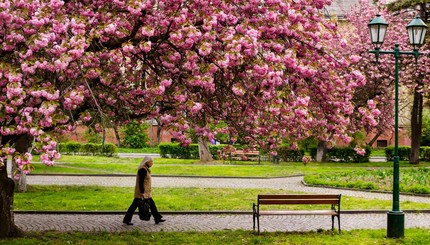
{"x":159,"y":221}
{"x":127,"y":223}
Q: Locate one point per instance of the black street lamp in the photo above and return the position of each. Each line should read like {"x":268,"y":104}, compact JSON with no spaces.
{"x":416,"y":31}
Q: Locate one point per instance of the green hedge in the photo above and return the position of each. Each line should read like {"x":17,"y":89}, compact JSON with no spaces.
{"x":216,"y":150}
{"x":288,"y":155}
{"x":175,"y":150}
{"x":343,"y":154}
{"x":405,"y":152}
{"x":87,"y":148}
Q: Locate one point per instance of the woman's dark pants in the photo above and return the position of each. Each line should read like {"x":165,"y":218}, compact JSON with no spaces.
{"x":135,"y":204}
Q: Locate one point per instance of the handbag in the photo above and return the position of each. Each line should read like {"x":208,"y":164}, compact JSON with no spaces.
{"x":144,"y":213}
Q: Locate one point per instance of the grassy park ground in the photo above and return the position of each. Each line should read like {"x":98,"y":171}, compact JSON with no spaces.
{"x":356,"y":237}
{"x":369,"y":176}
{"x":92,"y":198}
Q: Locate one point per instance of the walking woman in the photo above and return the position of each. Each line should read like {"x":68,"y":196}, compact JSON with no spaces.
{"x":143,"y":190}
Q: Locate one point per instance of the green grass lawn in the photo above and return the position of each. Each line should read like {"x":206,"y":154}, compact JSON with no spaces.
{"x":357,"y":237}
{"x":351,"y":175}
{"x":97,"y":198}
{"x":190,"y":167}
{"x":413,"y":180}
{"x":378,"y":153}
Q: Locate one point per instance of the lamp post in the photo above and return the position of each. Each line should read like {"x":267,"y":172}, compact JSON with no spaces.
{"x":416,"y":31}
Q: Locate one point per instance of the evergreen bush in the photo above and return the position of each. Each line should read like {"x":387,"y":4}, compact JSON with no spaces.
{"x":288,"y":155}
{"x":343,"y":154}
{"x":72,"y":147}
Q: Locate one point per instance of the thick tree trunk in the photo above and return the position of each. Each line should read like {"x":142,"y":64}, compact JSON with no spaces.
{"x":7,"y":222}
{"x":7,"y":188}
{"x":321,"y":151}
{"x":416,"y":128}
{"x":22,"y":145}
{"x":204,"y":152}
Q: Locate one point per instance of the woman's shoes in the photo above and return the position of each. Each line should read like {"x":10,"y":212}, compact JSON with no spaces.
{"x":127,"y":223}
{"x":159,"y":221}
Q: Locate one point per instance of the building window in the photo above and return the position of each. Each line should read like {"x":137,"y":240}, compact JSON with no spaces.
{"x":381,"y":143}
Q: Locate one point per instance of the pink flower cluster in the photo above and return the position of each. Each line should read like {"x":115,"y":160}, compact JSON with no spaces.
{"x":360,"y":151}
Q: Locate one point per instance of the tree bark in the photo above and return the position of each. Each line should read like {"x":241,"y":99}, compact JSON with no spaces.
{"x":416,"y":128}
{"x":22,"y":145}
{"x":118,"y":138}
{"x":7,"y":222}
{"x":321,"y":151}
{"x":204,"y":152}
{"x":7,"y":188}
{"x":159,"y":130}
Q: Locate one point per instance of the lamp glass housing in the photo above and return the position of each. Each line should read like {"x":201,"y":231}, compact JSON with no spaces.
{"x":416,"y":31}
{"x":378,"y":28}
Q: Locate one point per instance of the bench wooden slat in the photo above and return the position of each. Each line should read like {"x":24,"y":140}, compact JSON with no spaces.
{"x":295,"y":196}
{"x":297,"y":212}
{"x":246,"y":153}
{"x":298,"y":201}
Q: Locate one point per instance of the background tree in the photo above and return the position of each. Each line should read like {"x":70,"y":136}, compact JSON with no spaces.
{"x":135,"y":135}
{"x":379,"y":88}
{"x":262,"y":68}
{"x":419,"y":76}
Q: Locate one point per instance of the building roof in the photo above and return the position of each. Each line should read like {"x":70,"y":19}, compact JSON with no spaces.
{"x":339,"y":8}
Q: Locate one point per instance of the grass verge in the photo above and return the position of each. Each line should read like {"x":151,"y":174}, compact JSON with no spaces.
{"x":190,"y":167}
{"x":413,"y":180}
{"x":97,"y":198}
{"x":356,"y":237}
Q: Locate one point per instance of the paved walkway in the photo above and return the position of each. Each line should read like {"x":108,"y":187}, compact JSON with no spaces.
{"x":209,"y":222}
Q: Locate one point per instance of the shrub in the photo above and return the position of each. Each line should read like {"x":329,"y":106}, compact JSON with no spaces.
{"x":70,"y":147}
{"x":88,"y":148}
{"x":288,"y":155}
{"x":91,"y":148}
{"x":135,"y":135}
{"x":109,"y":149}
{"x":343,"y":154}
{"x":215,"y":149}
{"x":175,"y":150}
{"x":404,"y":152}
{"x":425,"y":153}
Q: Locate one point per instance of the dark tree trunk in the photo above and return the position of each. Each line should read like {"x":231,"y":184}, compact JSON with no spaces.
{"x":7,"y":222}
{"x":416,"y":127}
{"x":321,"y":151}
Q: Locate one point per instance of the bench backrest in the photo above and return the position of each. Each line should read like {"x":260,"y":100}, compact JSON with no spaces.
{"x":241,"y":152}
{"x":272,"y":199}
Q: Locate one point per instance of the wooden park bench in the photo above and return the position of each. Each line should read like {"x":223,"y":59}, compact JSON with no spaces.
{"x":240,"y":154}
{"x":292,"y":199}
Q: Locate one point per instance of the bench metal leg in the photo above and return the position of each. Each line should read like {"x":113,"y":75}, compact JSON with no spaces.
{"x":332,"y":222}
{"x":338,"y":221}
{"x":253,"y":216}
{"x":258,"y":223}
